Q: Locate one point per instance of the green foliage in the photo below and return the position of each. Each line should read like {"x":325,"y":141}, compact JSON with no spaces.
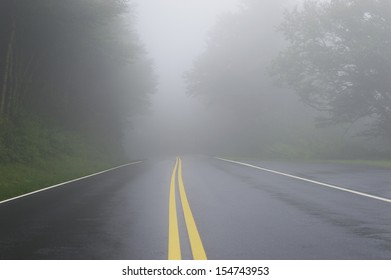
{"x":72,"y":74}
{"x":29,"y":140}
{"x":339,"y":60}
{"x":69,"y":71}
{"x":73,"y":64}
{"x":20,"y":178}
{"x":34,"y":156}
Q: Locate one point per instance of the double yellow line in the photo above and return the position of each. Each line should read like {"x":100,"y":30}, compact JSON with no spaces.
{"x":174,"y":246}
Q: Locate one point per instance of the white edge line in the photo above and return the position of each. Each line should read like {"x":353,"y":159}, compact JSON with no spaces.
{"x":67,"y":182}
{"x":308,"y":180}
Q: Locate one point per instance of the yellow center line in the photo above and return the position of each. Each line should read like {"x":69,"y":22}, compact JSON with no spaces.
{"x":174,"y":247}
{"x":195,"y":240}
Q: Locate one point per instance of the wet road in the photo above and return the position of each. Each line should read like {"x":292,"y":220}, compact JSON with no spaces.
{"x":238,"y":212}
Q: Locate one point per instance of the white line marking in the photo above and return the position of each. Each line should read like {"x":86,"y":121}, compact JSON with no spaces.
{"x":61,"y":184}
{"x":308,"y":180}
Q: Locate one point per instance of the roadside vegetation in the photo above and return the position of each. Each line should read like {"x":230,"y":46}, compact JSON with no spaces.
{"x":299,"y":80}
{"x":72,"y":76}
{"x":21,"y":178}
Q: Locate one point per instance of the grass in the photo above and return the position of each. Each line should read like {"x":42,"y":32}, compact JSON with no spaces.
{"x":17,"y":179}
{"x":35,"y":154}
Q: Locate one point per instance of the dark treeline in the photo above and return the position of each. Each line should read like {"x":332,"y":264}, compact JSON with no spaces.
{"x":306,"y":80}
{"x":69,"y":70}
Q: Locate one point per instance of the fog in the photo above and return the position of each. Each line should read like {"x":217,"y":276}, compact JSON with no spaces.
{"x":173,"y":32}
{"x":227,"y":85}
{"x":99,"y":99}
{"x":243,"y":78}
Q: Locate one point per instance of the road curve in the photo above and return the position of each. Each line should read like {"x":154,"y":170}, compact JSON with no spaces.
{"x":239,"y":212}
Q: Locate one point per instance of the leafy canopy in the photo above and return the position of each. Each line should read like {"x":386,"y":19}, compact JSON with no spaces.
{"x":339,"y":60}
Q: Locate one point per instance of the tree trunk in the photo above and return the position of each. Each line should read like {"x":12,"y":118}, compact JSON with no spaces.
{"x":14,"y":80}
{"x":19,"y":80}
{"x":7,"y":70}
{"x":25,"y":80}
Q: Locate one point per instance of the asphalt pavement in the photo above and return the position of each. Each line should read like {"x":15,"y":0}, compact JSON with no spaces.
{"x":237,"y":212}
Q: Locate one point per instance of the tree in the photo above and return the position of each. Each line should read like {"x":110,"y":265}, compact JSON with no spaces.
{"x":70,"y":65}
{"x":339,"y":60}
{"x":250,"y":114}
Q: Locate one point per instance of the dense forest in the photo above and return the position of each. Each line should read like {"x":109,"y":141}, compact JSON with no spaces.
{"x":71,"y":74}
{"x":300,"y":79}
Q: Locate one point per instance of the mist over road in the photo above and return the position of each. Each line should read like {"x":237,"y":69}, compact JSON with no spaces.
{"x":238,"y":212}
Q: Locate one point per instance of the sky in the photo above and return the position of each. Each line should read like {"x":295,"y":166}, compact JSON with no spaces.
{"x":174,"y":33}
